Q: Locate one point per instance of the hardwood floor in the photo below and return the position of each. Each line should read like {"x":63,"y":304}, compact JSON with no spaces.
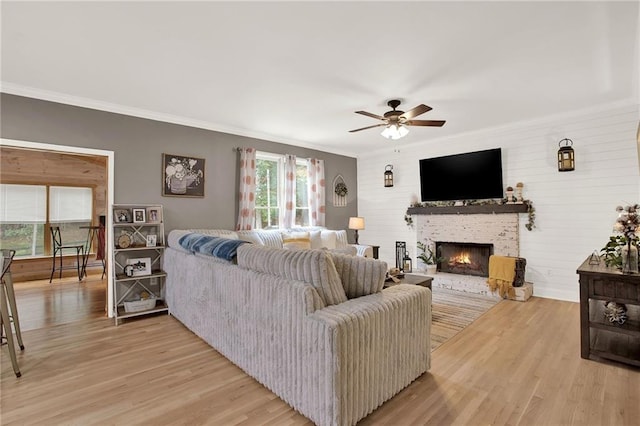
{"x":519,"y":364}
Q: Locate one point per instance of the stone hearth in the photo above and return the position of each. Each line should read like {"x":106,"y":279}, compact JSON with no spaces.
{"x":499,"y":230}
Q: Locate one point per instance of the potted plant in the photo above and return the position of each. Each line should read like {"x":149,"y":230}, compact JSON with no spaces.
{"x":428,"y":257}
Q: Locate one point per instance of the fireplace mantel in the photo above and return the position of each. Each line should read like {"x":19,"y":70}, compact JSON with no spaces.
{"x":471,"y":209}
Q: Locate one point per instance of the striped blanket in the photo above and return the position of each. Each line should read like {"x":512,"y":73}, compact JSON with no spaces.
{"x":223,"y":248}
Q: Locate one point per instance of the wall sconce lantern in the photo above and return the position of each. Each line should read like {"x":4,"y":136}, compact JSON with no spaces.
{"x":566,"y":156}
{"x":388,"y":176}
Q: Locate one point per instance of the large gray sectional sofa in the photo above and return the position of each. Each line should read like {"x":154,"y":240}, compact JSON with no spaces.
{"x":313,"y":326}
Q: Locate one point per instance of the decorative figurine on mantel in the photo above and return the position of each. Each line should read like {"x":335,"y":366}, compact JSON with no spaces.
{"x":519,"y":199}
{"x":509,"y":195}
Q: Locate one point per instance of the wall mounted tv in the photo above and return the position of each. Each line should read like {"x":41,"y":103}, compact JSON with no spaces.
{"x":469,"y":176}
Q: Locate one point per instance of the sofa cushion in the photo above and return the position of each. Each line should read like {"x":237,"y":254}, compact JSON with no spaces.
{"x":360,"y":276}
{"x":328,"y":239}
{"x":341,"y":238}
{"x":314,"y":267}
{"x":250,"y":236}
{"x":350,"y":250}
{"x":271,"y":237}
{"x":296,"y":241}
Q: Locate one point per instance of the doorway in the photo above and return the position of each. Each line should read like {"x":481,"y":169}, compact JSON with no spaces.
{"x":109,"y":156}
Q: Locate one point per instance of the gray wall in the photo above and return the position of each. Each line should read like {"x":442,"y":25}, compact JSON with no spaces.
{"x":138,"y":145}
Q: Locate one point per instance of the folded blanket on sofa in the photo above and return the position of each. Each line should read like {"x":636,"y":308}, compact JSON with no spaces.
{"x":223,"y":248}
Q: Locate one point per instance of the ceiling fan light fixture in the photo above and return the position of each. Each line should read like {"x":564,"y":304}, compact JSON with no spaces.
{"x":395,"y":131}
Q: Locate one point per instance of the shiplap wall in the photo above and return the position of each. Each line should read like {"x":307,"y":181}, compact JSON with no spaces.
{"x":575,"y":211}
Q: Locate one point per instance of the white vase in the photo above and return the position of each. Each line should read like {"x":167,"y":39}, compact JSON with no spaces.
{"x":432,"y":269}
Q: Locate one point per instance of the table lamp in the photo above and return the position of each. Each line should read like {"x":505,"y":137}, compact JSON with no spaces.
{"x":356,"y":223}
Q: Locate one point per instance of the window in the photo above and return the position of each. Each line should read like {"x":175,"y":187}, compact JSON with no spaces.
{"x":23,"y":214}
{"x":269,"y":190}
{"x":24,"y":225}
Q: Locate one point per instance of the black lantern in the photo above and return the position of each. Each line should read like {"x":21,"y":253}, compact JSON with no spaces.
{"x":406,"y":263}
{"x":566,"y":156}
{"x":388,"y":176}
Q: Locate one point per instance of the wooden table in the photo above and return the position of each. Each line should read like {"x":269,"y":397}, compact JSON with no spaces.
{"x":421,"y":280}
{"x":599,"y":337}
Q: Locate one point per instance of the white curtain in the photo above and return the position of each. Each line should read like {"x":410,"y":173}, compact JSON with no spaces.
{"x":315,"y":180}
{"x":247,"y":195}
{"x":288,"y":210}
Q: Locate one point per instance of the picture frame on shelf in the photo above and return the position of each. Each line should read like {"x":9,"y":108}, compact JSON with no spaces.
{"x":152,"y":240}
{"x":122,"y":216}
{"x":154,"y":215}
{"x":141,"y":266}
{"x":139,"y":216}
{"x":182,"y":176}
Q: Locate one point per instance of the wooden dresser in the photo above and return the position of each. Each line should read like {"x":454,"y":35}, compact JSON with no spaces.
{"x":600,"y":338}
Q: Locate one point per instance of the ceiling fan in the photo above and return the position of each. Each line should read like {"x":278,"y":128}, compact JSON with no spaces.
{"x":395,"y":121}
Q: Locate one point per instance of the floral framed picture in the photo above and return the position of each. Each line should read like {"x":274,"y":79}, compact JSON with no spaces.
{"x":182,"y":176}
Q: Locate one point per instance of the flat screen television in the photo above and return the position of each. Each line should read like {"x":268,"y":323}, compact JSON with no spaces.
{"x":469,"y":176}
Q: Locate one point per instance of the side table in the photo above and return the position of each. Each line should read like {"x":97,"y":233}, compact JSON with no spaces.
{"x":421,"y":280}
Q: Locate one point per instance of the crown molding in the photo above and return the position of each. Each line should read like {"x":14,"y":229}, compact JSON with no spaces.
{"x":62,"y":98}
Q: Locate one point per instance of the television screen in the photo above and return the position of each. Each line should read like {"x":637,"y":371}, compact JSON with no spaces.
{"x":469,"y":176}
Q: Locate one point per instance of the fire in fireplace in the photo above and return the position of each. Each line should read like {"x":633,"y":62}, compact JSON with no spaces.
{"x":464,"y":258}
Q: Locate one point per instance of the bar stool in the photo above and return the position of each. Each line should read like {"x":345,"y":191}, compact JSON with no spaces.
{"x":9,"y":310}
{"x":58,"y":249}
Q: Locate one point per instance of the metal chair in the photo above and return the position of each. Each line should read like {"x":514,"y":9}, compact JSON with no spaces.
{"x":8,"y":309}
{"x":58,"y":249}
{"x":100,"y":252}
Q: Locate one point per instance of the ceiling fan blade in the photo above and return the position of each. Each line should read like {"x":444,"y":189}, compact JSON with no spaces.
{"x":368,"y":114}
{"x":368,"y":127}
{"x":435,"y":123}
{"x":420,"y":109}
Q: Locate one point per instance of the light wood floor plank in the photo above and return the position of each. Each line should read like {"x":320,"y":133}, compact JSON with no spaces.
{"x":518,"y":364}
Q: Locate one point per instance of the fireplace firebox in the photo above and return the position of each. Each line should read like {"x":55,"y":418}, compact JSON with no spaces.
{"x":464,"y":258}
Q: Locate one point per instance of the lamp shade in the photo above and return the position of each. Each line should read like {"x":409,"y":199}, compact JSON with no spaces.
{"x":356,"y":223}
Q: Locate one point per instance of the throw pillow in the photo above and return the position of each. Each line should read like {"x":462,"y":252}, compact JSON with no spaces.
{"x":296,"y":241}
{"x":316,"y":239}
{"x":328,"y":239}
{"x":359,"y":276}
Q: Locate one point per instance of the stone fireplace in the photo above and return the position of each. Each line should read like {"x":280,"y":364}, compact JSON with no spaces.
{"x":494,"y":232}
{"x":464,"y":258}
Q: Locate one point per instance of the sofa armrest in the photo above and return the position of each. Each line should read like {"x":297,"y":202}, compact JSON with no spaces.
{"x":374,"y":345}
{"x":362,"y":250}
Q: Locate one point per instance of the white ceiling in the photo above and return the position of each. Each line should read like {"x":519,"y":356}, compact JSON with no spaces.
{"x":295,"y":72}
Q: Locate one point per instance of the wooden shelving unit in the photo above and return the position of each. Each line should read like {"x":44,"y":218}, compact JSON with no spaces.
{"x":600,"y":338}
{"x":133,"y":242}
